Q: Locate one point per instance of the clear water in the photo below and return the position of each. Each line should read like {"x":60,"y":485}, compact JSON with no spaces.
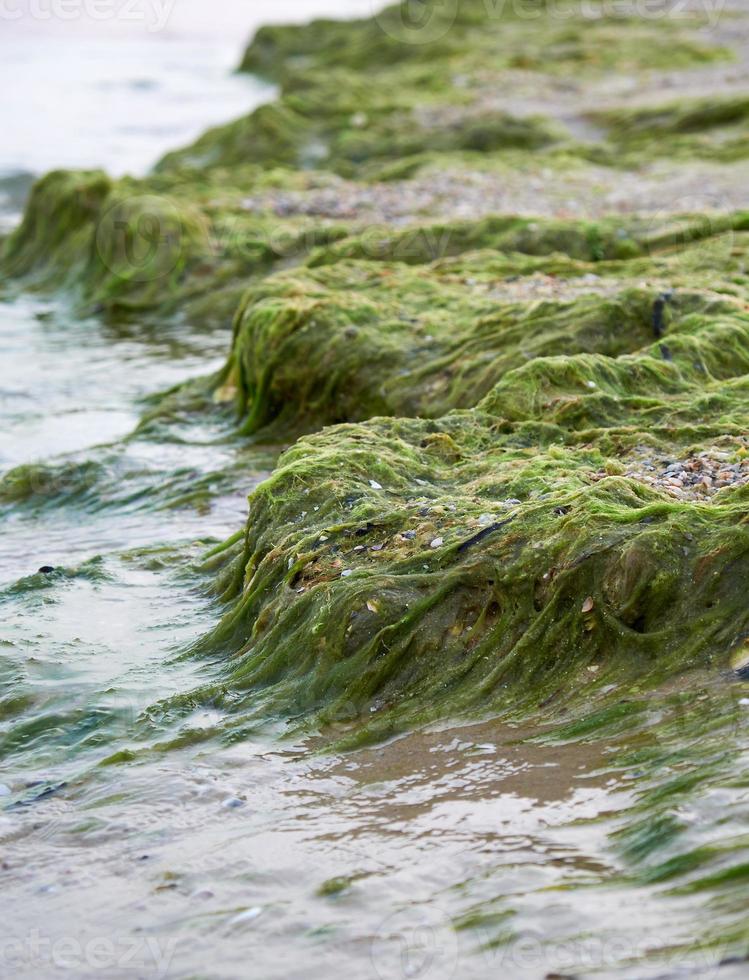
{"x":138,"y":844}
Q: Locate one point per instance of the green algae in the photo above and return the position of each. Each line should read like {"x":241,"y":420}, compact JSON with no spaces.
{"x":560,"y":242}
{"x":712,"y":129}
{"x":379,"y":326}
{"x":357,"y":340}
{"x":353,"y":94}
{"x":164,"y":248}
{"x":416,"y":569}
{"x":183,"y":242}
{"x":484,"y":512}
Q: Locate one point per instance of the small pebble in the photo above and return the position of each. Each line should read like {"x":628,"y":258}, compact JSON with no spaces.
{"x":588,"y":604}
{"x":346,"y":572}
{"x":46,"y":569}
{"x":436,"y":542}
{"x":375,"y":485}
{"x":232,"y":803}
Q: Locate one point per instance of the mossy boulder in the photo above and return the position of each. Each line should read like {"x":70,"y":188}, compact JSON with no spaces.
{"x":349,"y":336}
{"x":357,"y":339}
{"x":398,"y":571}
{"x":359,"y":95}
{"x":55,"y":237}
{"x":471,"y":533}
{"x":152,"y":245}
{"x":509,"y":555}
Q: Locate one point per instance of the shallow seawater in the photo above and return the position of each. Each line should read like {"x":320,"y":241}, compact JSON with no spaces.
{"x":123,"y":103}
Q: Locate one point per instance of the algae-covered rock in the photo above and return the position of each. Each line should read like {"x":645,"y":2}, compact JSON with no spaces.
{"x":153,"y":245}
{"x":400,"y":570}
{"x":344,"y":340}
{"x":56,"y":231}
{"x":713,"y":128}
{"x":432,"y":80}
{"x":515,"y":554}
{"x":358,"y":340}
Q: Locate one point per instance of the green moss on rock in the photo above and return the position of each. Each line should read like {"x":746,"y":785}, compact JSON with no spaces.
{"x":712,"y":128}
{"x":353,"y":94}
{"x":472,"y":534}
{"x":504,"y":556}
{"x":346,"y":339}
{"x":400,"y":570}
{"x":153,"y":245}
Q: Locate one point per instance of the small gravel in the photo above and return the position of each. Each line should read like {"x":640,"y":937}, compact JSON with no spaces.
{"x":697,"y":477}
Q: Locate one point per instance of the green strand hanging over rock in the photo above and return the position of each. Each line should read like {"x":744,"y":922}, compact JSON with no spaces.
{"x":154,"y":246}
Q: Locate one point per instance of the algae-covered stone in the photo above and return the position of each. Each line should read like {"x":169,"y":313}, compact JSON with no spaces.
{"x":153,"y":245}
{"x":345,"y":340}
{"x":713,"y":128}
{"x":345,"y":607}
{"x":56,"y":231}
{"x":504,"y":555}
{"x":355,"y":95}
